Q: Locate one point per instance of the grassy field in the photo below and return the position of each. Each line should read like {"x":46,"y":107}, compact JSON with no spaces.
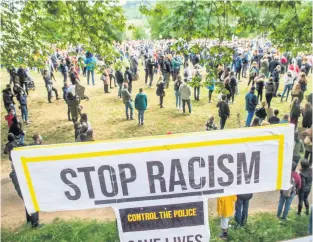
{"x":107,"y":116}
{"x":263,"y":227}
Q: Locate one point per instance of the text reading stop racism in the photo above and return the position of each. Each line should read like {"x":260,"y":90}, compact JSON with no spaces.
{"x":169,"y":178}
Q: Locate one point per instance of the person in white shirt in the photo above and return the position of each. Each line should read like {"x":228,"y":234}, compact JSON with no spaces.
{"x":288,"y":82}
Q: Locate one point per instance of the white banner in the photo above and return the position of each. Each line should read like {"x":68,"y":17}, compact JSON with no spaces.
{"x":154,"y":170}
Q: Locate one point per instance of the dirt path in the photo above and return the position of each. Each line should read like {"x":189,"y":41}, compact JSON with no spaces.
{"x":13,"y":213}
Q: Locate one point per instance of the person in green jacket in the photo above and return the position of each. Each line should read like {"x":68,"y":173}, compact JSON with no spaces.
{"x":141,"y":103}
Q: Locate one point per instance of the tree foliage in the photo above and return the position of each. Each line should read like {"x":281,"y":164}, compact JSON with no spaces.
{"x":139,"y":33}
{"x":31,"y":28}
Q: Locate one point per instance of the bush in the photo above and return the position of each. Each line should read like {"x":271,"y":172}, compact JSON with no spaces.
{"x":263,"y":227}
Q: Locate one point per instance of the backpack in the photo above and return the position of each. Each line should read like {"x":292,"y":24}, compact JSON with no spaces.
{"x":185,"y":73}
{"x":291,"y":190}
{"x":252,"y":72}
{"x":176,"y":86}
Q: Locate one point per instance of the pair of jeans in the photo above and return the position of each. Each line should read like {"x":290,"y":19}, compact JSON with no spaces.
{"x":308,"y":156}
{"x":128,"y":105}
{"x":151,"y":78}
{"x":141,"y":114}
{"x":276,"y":86}
{"x":175,"y":74}
{"x":237,"y":74}
{"x":223,"y":122}
{"x":24,"y":112}
{"x":178,"y":99}
{"x":244,"y":70}
{"x":232,"y":93}
{"x":130,"y":87}
{"x":92,"y":72}
{"x":251,"y":79}
{"x":189,"y":105}
{"x":287,"y":89}
{"x":260,"y":94}
{"x":249,"y":118}
{"x":161,"y":101}
{"x":210,"y":95}
{"x":241,"y":211}
{"x":303,"y":197}
{"x":269,"y":97}
{"x":106,"y":88}
{"x":284,"y":201}
{"x":146,"y":76}
{"x":196,"y":92}
{"x":50,"y":90}
{"x":119,"y":93}
{"x":166,"y":79}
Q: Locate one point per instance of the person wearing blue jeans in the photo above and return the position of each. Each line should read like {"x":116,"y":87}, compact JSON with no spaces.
{"x":127,"y":100}
{"x":141,"y":103}
{"x":284,"y":201}
{"x":24,"y":113}
{"x":241,"y":208}
{"x":251,"y":103}
{"x":178,"y":99}
{"x":92,"y":72}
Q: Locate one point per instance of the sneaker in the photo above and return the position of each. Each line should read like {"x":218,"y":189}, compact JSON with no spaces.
{"x":142,"y":123}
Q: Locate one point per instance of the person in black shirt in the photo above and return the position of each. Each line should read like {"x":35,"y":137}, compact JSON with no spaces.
{"x":223,"y":111}
{"x":16,"y":130}
{"x":129,"y":78}
{"x":274,"y":119}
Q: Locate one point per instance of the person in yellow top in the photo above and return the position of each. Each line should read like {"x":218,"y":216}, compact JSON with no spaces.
{"x":225,"y":209}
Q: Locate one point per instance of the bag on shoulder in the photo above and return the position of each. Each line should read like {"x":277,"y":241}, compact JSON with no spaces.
{"x":291,"y":190}
{"x":176,"y":86}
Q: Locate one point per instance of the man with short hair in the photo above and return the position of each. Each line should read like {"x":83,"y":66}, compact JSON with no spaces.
{"x":127,"y":100}
{"x":251,"y":103}
{"x":223,"y":111}
{"x":185,"y":94}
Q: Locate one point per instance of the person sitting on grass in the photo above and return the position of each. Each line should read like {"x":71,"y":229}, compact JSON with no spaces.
{"x":77,"y":128}
{"x":37,"y":139}
{"x":255,"y":122}
{"x":286,"y":196}
{"x":261,"y":112}
{"x":210,"y":124}
{"x":285,"y":119}
{"x":274,"y":119}
{"x":141,"y":103}
{"x":225,"y":210}
{"x":17,"y":131}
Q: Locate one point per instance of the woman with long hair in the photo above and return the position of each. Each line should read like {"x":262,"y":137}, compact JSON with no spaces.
{"x":303,"y":81}
{"x":307,"y":116}
{"x":306,"y":181}
{"x":295,"y":112}
{"x":297,"y":92}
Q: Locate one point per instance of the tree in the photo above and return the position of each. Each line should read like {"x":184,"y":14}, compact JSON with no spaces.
{"x":139,"y":33}
{"x":31,"y":28}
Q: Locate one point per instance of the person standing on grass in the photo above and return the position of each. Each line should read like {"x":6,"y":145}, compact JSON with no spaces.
{"x":160,"y":92}
{"x":176,"y":63}
{"x":295,"y":112}
{"x":223,"y":111}
{"x":225,"y":210}
{"x":242,"y":207}
{"x":127,"y":100}
{"x":253,"y":72}
{"x":288,"y":83}
{"x":73,"y":104}
{"x":33,"y":219}
{"x":112,"y":77}
{"x":211,"y":90}
{"x":7,"y":97}
{"x":177,"y":84}
{"x":307,"y":116}
{"x":265,"y":66}
{"x":90,"y":66}
{"x":303,"y":82}
{"x":185,"y":94}
{"x":298,"y":148}
{"x":259,"y":86}
{"x":104,"y":77}
{"x":129,"y":79}
{"x":119,"y":79}
{"x":245,"y":64}
{"x":141,"y":103}
{"x":22,"y":98}
{"x":49,"y":86}
{"x":306,"y":181}
{"x":274,"y":119}
{"x":308,"y":144}
{"x":270,"y":89}
{"x":22,"y":75}
{"x":197,"y":76}
{"x":297,"y":92}
{"x":276,"y":77}
{"x":64,"y":70}
{"x":286,"y":196}
{"x":227,"y":86}
{"x":150,"y":68}
{"x":233,"y":86}
{"x":166,"y":69}
{"x":251,"y":103}
{"x":238,"y":66}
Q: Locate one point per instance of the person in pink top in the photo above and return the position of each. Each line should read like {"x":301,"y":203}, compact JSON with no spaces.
{"x":10,"y":117}
{"x":286,"y":196}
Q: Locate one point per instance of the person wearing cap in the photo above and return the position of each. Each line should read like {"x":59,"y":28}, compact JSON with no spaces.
{"x":127,"y":100}
{"x":251,"y":103}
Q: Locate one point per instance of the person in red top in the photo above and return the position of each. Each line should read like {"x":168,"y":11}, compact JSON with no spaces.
{"x":286,"y":196}
{"x":295,"y":68}
{"x":10,"y":117}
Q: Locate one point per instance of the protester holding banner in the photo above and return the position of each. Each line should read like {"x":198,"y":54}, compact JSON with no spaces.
{"x":225,"y":210}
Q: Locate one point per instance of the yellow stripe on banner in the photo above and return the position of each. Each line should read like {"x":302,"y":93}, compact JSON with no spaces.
{"x":280,"y":162}
{"x":233,"y":141}
{"x":137,"y":138}
{"x":30,"y":184}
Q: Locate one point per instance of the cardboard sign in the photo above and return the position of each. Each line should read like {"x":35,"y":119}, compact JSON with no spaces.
{"x":165,"y":223}
{"x":147,"y":174}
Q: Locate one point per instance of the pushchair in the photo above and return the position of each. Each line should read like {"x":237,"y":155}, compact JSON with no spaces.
{"x":80,"y":91}
{"x":30,"y":83}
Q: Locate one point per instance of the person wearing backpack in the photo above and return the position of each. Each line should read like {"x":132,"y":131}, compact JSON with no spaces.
{"x":253,"y":72}
{"x":223,"y":111}
{"x":306,"y":181}
{"x":177,"y":84}
{"x":286,"y":196}
{"x":241,"y":208}
{"x":238,"y":66}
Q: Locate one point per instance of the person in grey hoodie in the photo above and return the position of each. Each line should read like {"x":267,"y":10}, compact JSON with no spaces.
{"x":185,"y":93}
{"x":127,"y":100}
{"x":270,"y":90}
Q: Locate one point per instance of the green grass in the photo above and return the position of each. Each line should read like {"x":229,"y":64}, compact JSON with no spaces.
{"x":262,"y":227}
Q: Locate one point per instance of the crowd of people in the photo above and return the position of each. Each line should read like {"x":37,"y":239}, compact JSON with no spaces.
{"x":263,"y":65}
